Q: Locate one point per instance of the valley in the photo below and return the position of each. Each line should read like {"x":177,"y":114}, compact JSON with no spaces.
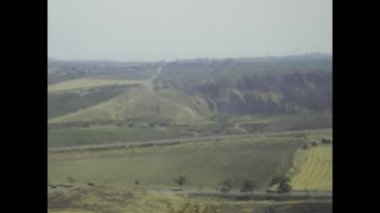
{"x":126,"y":128}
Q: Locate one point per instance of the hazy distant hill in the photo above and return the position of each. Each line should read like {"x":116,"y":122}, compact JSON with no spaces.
{"x":188,"y":92}
{"x":255,"y":86}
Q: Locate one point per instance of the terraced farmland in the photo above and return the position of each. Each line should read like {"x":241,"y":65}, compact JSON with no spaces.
{"x":314,"y":169}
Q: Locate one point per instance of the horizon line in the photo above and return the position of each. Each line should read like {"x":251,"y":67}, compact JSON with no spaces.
{"x":194,"y":58}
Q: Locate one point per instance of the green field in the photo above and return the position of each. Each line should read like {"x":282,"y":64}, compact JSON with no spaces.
{"x":206,"y":164}
{"x":86,"y":83}
{"x":107,"y":134}
{"x":313,"y":168}
{"x":96,"y":132}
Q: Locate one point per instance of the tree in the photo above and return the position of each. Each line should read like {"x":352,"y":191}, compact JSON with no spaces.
{"x":314,"y":143}
{"x":248,"y":186}
{"x":283,"y":183}
{"x":284,"y":187}
{"x":326,"y":141}
{"x":279,"y":179}
{"x":227,"y":185}
{"x":181,"y":180}
{"x":70,"y":179}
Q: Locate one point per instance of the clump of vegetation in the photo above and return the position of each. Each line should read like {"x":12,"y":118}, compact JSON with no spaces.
{"x":226,"y":186}
{"x":306,"y":146}
{"x":248,"y":186}
{"x":70,"y":179}
{"x":181,"y":180}
{"x":326,"y":141}
{"x":314,"y":143}
{"x":190,"y":208}
{"x":283,"y":183}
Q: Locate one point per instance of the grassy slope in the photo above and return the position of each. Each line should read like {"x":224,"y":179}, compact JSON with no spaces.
{"x":85,"y":83}
{"x":68,"y":102}
{"x":206,"y":164}
{"x":142,"y":104}
{"x":314,"y":168}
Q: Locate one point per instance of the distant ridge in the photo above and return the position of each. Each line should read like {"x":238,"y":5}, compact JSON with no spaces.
{"x":312,"y":55}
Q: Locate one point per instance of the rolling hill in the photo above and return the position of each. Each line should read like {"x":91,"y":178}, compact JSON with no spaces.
{"x":204,"y":96}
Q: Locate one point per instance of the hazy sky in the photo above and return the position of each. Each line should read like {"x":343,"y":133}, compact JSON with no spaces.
{"x":138,"y":30}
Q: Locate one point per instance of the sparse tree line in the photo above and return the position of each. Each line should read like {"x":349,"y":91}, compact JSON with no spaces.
{"x":281,"y":183}
{"x":324,"y":141}
{"x":120,"y":123}
{"x":68,"y":70}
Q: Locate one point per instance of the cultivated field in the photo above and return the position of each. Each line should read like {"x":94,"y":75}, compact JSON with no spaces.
{"x":86,"y":83}
{"x":206,"y":164}
{"x":313,"y":168}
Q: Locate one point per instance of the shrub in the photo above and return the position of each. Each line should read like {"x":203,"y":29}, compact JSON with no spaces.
{"x":326,"y":141}
{"x":227,"y":185}
{"x":314,"y":143}
{"x":248,"y":185}
{"x":70,"y":179}
{"x":181,"y":180}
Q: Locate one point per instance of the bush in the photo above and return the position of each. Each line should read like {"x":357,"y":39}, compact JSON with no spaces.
{"x":181,"y":180}
{"x":284,"y":187}
{"x":283,"y":183}
{"x":279,"y":179}
{"x":326,"y":141}
{"x":314,"y":143}
{"x":70,"y":179}
{"x":227,"y":186}
{"x":248,"y":186}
